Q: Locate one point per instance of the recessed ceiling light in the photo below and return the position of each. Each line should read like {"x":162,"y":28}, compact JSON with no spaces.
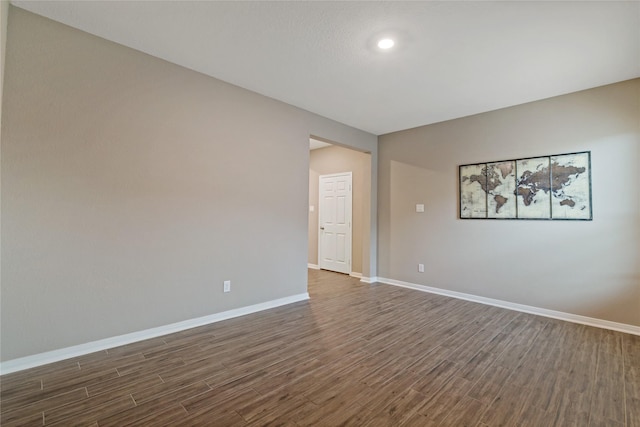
{"x":385,"y":44}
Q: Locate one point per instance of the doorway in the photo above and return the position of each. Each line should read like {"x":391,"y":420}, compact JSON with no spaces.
{"x":333,"y":159}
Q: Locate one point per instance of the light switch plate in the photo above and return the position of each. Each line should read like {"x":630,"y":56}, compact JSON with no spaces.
{"x":419,"y":208}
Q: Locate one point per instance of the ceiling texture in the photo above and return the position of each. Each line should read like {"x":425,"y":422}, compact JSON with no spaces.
{"x":451,"y":59}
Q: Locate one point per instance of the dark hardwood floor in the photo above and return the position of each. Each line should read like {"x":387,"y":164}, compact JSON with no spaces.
{"x":355,"y":354}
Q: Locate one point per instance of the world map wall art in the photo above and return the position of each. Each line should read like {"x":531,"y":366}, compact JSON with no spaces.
{"x":548,"y":187}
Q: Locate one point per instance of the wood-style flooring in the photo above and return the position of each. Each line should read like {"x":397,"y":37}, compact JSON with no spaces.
{"x":355,"y":354}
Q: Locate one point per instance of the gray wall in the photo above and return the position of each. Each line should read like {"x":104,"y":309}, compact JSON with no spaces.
{"x":586,"y":268}
{"x":337,"y":159}
{"x":4,"y":15}
{"x":133,"y":187}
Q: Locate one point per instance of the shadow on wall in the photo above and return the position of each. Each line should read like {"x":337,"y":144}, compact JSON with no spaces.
{"x":625,"y":300}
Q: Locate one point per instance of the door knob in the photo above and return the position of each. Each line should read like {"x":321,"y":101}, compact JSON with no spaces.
{"x":321,"y":228}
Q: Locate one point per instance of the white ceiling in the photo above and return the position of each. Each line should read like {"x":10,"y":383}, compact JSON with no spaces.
{"x":452,"y":59}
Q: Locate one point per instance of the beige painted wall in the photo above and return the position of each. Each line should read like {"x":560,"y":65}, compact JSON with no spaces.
{"x":587,"y":268}
{"x":337,"y":159}
{"x":133,"y":187}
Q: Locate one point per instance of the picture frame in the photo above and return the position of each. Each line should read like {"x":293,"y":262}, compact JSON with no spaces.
{"x":552,"y":187}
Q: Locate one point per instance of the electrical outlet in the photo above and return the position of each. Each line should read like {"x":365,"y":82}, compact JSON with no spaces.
{"x":420,"y":268}
{"x":227,"y":286}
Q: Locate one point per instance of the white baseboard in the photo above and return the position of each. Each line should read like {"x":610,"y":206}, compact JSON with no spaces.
{"x":369,"y":279}
{"x":569,"y":317}
{"x":356,"y":275}
{"x":313,"y":266}
{"x":104,"y":344}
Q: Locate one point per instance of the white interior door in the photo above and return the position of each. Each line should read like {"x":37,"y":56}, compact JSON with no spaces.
{"x":334,"y":238}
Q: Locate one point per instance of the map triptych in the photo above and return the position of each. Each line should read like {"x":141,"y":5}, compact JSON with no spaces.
{"x":549,"y":187}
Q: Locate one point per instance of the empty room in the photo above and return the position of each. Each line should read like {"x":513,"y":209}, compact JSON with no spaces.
{"x":292,"y":213}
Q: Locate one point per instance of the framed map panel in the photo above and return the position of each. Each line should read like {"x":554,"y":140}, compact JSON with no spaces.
{"x":533,"y":188}
{"x":473,"y":196}
{"x":546,"y":187}
{"x":501,"y":187}
{"x":571,"y":186}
